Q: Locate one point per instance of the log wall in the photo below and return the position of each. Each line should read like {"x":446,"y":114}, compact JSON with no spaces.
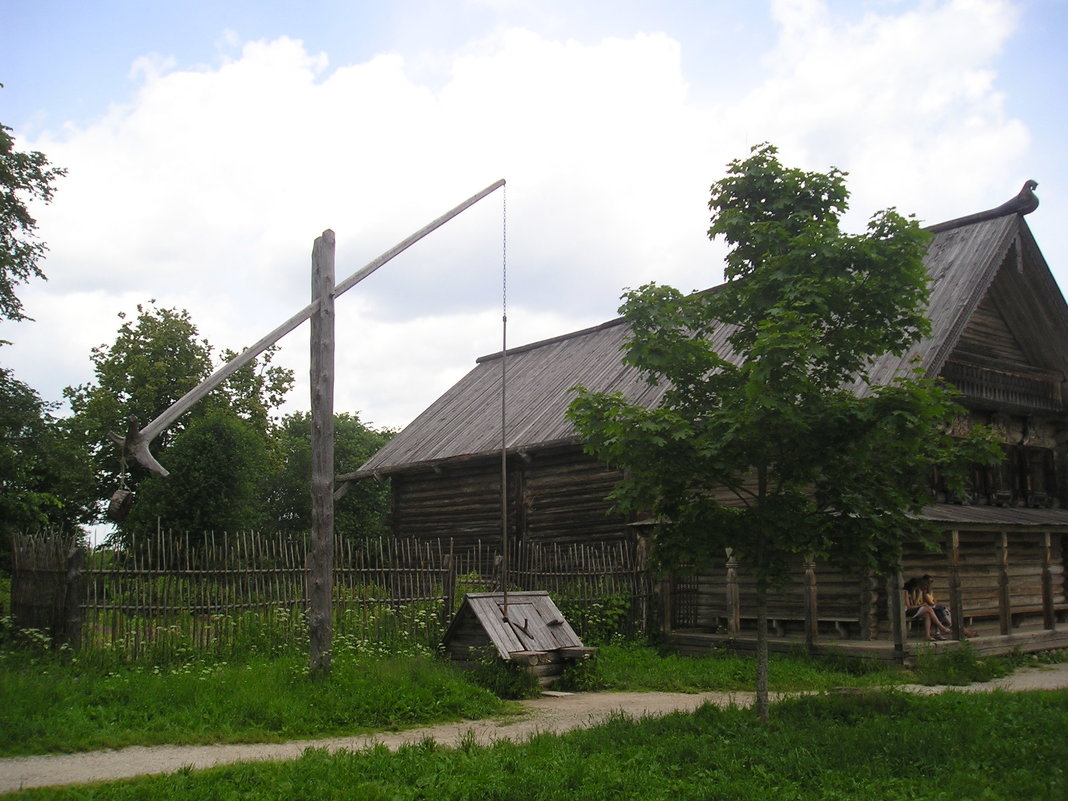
{"x":554,"y":497}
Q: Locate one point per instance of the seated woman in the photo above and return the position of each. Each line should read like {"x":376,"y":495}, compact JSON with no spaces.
{"x":916,"y":609}
{"x":923,"y":584}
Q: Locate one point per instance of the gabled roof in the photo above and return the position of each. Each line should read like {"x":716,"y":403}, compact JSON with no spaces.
{"x":533,"y":622}
{"x":963,"y":259}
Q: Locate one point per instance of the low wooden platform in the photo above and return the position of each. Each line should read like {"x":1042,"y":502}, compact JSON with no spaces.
{"x":695,"y":642}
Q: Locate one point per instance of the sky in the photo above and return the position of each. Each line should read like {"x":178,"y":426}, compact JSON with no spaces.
{"x":209,"y":142}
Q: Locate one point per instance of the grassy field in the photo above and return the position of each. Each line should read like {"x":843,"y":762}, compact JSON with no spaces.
{"x":872,"y":743}
{"x":54,"y":707}
{"x":880,"y":745}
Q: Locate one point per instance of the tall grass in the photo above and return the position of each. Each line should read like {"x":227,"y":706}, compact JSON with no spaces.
{"x":638,"y":667}
{"x":860,"y":748}
{"x":53,"y":707}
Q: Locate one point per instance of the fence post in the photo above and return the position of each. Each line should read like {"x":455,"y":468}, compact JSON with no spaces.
{"x":734,"y":612}
{"x":75,"y":595}
{"x":667,"y":593}
{"x":812,"y":625}
{"x":448,"y":585}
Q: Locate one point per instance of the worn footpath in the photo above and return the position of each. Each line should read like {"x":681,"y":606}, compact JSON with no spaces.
{"x":546,"y":714}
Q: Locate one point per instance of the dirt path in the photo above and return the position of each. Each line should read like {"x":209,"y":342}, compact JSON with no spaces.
{"x":547,"y":714}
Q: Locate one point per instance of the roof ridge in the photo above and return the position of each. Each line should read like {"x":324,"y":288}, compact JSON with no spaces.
{"x":1025,"y":202}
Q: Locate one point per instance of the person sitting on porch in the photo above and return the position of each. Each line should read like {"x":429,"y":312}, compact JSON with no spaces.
{"x":916,"y":609}
{"x":927,"y":596}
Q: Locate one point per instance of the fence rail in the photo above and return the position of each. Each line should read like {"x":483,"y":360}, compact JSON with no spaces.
{"x":156,"y":600}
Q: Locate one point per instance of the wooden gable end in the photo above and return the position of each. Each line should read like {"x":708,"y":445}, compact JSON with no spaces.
{"x":1012,"y":353}
{"x":988,"y":340}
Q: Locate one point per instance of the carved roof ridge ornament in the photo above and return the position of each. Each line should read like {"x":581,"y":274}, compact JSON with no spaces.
{"x":1025,"y":202}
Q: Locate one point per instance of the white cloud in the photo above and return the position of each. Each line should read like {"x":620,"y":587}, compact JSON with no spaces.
{"x":906,"y":102}
{"x":207,"y":190}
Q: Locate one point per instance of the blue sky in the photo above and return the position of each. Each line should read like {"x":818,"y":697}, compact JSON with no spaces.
{"x":208,"y":143}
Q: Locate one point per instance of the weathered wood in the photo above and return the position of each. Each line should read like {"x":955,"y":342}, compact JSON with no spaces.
{"x":956,"y":603}
{"x":895,"y":602}
{"x":667,"y":603}
{"x":1049,"y":612}
{"x":138,"y":443}
{"x":734,"y":611}
{"x":1004,"y":589}
{"x":812,"y":624}
{"x":72,"y":596}
{"x":320,"y":619}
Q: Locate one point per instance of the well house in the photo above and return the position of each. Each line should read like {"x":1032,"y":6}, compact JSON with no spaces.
{"x":999,"y":334}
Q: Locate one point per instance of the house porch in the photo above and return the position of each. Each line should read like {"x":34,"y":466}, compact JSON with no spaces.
{"x":1000,"y":571}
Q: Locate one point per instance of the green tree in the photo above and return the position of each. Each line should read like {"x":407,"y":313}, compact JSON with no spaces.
{"x":220,"y":466}
{"x":155,"y":359}
{"x":24,"y":177}
{"x":45,"y":479}
{"x":362,"y":511}
{"x":788,"y":449}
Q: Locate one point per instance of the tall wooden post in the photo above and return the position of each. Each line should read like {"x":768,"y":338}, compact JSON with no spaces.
{"x":895,"y":608}
{"x":734,"y":612}
{"x":321,"y":556}
{"x":1049,"y":613}
{"x":1004,"y":594}
{"x":812,"y":615}
{"x":667,"y":603}
{"x":956,"y":595}
{"x":75,"y":596}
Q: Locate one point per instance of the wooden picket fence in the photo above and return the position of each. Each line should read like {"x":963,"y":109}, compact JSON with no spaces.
{"x":159,"y":601}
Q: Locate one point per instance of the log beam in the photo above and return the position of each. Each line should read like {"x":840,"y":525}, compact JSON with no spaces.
{"x":320,"y":620}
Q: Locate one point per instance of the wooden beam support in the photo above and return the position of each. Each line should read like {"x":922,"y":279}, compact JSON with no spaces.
{"x":321,"y":590}
{"x":956,"y":597}
{"x":1004,"y":593}
{"x":734,"y":602}
{"x":812,"y":620}
{"x":895,"y":606}
{"x":1049,"y":612}
{"x":137,"y":443}
{"x":667,"y":603}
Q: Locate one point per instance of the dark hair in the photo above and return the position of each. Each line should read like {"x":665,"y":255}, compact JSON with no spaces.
{"x":910,"y":584}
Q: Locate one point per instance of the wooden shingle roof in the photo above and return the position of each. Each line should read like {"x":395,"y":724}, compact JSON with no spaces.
{"x":464,"y":423}
{"x":533,"y":624}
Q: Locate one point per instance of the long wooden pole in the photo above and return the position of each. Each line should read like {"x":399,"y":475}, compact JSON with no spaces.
{"x":321,"y":561}
{"x":137,"y":442}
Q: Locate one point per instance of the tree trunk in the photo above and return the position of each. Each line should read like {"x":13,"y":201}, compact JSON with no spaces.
{"x":762,"y":653}
{"x":762,"y":605}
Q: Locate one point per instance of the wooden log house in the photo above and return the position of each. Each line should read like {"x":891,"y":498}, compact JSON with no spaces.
{"x":999,"y":334}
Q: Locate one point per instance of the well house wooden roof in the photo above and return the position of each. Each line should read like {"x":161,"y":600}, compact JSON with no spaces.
{"x":533,"y":623}
{"x":964,"y":263}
